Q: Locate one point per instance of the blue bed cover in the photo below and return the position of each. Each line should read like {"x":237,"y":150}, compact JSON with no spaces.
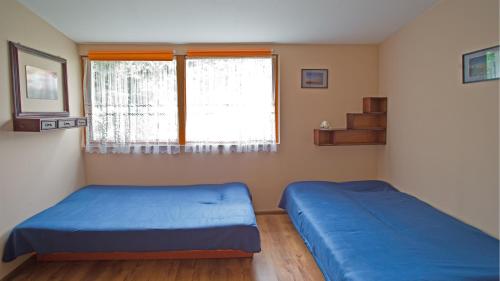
{"x":141,"y":219}
{"x":368,"y":230}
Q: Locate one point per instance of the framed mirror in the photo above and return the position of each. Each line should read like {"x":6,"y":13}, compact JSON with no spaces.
{"x":39,"y":83}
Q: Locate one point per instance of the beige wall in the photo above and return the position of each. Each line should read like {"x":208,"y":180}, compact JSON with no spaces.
{"x":353,"y":74}
{"x":36,"y":169}
{"x":442,"y":141}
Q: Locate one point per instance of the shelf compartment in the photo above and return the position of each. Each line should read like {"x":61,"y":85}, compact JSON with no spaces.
{"x":366,"y":120}
{"x":349,"y":137}
{"x":374,"y":104}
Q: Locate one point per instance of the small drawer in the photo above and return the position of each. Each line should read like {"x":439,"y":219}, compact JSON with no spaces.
{"x":48,"y":125}
{"x":81,"y":122}
{"x":68,"y":123}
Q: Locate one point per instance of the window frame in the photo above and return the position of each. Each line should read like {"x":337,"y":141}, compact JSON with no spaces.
{"x":181,"y":81}
{"x":181,"y":87}
{"x":116,"y":56}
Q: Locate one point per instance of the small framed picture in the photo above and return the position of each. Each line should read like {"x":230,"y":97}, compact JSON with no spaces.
{"x":481,"y":65}
{"x":314,"y":78}
{"x":39,"y":83}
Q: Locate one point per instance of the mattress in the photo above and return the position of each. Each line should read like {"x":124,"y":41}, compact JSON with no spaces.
{"x":141,"y":219}
{"x":368,"y":230}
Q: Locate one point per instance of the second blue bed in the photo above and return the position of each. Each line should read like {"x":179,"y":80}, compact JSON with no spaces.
{"x":368,"y":230}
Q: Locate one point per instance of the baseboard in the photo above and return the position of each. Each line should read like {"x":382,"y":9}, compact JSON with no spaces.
{"x":19,"y":268}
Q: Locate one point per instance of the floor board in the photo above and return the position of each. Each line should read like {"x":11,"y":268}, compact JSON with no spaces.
{"x":284,"y":257}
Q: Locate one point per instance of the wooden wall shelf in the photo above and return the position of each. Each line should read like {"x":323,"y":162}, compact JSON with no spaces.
{"x":39,"y":124}
{"x":367,"y":128}
{"x":349,"y":137}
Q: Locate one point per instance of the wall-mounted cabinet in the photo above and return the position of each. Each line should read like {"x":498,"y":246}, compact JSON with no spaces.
{"x":34,"y":124}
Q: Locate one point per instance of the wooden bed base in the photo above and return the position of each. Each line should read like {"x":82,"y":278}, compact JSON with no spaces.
{"x":195,"y":254}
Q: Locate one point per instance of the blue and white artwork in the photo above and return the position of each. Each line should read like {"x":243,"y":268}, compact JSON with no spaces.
{"x":481,"y":65}
{"x":41,"y":83}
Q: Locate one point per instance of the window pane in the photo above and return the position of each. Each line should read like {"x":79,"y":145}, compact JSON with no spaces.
{"x":133,"y":102}
{"x":230,"y":101}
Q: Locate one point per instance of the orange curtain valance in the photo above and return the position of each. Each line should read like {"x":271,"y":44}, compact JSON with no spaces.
{"x":229,"y":53}
{"x":131,"y":55}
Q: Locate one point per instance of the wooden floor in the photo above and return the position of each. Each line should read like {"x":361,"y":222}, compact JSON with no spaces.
{"x":284,"y":257}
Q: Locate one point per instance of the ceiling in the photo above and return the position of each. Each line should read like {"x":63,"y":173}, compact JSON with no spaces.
{"x":228,"y":21}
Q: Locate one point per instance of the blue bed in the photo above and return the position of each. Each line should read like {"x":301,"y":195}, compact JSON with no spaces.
{"x":368,"y":230}
{"x":107,"y":219}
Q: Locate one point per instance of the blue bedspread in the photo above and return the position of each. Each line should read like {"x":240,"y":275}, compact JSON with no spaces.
{"x":140,"y":219}
{"x":368,"y":230}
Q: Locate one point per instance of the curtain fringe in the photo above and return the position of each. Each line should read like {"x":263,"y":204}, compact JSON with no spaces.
{"x":230,"y":148}
{"x":133,"y":149}
{"x":176,"y":149}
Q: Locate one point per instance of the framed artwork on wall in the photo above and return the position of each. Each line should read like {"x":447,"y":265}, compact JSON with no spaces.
{"x":314,"y":78}
{"x":39,"y":83}
{"x":481,"y":65}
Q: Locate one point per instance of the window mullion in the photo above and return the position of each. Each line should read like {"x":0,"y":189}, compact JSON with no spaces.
{"x":276,"y":98}
{"x":181,"y":97}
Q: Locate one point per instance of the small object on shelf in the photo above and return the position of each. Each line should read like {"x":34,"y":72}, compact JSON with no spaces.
{"x":325,"y":125}
{"x":367,"y":128}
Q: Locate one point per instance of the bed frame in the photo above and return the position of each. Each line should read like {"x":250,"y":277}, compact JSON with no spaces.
{"x":195,"y":254}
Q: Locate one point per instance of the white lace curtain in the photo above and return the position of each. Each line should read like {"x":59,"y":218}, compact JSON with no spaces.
{"x":230,"y":105}
{"x":132,"y":106}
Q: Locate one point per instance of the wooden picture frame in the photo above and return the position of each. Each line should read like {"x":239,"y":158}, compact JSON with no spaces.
{"x":314,"y":79}
{"x":46,"y":69}
{"x":481,"y":65}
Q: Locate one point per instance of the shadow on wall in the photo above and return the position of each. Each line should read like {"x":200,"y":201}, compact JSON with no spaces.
{"x":7,"y":126}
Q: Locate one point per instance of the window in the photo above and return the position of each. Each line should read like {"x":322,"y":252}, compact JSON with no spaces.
{"x":132,"y":106}
{"x":230,"y":104}
{"x":207,"y":101}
